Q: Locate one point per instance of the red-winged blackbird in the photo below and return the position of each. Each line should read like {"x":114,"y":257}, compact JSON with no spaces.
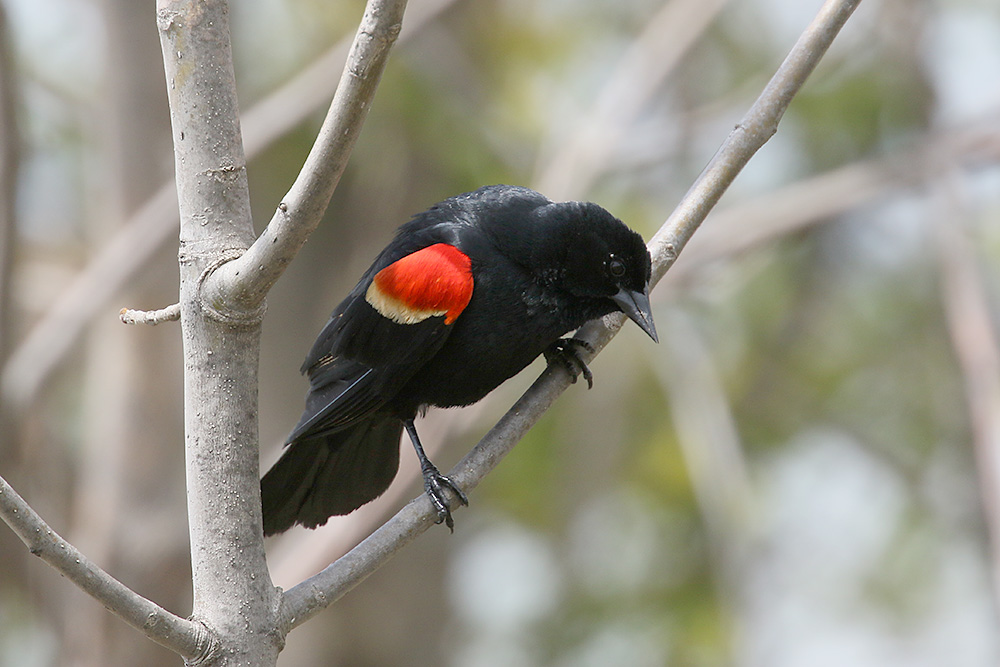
{"x":466,"y":295}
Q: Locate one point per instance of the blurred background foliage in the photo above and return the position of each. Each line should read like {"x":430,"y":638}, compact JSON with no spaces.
{"x":798,"y":475}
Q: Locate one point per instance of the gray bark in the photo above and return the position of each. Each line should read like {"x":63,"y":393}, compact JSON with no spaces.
{"x":233,"y":594}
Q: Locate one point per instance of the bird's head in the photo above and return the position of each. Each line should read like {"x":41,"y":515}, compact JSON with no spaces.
{"x":595,"y":255}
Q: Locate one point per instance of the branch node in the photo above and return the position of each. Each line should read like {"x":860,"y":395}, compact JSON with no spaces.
{"x":215,"y":308}
{"x":207,"y":645}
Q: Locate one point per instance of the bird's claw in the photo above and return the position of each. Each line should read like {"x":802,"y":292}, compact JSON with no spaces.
{"x":434,"y":485}
{"x":566,"y":353}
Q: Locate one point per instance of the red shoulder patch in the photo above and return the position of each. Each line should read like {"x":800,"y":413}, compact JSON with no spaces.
{"x":436,"y":280}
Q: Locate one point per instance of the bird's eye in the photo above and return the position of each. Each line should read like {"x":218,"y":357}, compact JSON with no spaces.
{"x":616,"y":267}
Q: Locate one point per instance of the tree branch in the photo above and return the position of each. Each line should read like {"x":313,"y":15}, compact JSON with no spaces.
{"x":314,"y":594}
{"x":733,"y":230}
{"x":222,"y":289}
{"x":304,"y":601}
{"x":211,"y":189}
{"x":188,"y":638}
{"x":155,"y":224}
{"x":247,"y":279}
{"x":233,"y":594}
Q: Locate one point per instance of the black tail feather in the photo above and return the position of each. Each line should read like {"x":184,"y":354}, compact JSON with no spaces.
{"x":335,"y":474}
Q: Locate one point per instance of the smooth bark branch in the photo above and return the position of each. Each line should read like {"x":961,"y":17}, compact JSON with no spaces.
{"x":234,"y":601}
{"x":759,"y":124}
{"x":233,"y":594}
{"x":187,"y":638}
{"x":737,"y":229}
{"x":247,"y":279}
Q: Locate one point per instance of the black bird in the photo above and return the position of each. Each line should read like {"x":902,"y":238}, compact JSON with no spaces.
{"x":466,"y":295}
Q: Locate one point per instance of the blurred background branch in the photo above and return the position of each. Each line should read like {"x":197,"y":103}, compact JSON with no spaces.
{"x":977,"y":349}
{"x":820,"y":198}
{"x":9,"y":160}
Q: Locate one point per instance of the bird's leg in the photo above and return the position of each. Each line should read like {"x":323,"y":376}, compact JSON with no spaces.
{"x":566,"y":353}
{"x":434,"y":482}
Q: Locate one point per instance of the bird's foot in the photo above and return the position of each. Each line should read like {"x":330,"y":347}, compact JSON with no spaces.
{"x":434,"y":485}
{"x":566,"y":353}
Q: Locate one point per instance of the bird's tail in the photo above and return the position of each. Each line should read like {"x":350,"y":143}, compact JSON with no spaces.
{"x":320,"y":477}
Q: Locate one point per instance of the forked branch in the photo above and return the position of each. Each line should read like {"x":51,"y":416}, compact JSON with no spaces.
{"x":247,"y":279}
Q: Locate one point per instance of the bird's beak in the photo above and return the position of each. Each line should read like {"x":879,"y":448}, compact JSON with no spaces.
{"x":635,"y":304}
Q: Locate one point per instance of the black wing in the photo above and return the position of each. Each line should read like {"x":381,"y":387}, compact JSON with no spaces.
{"x":343,"y":391}
{"x":361,"y":358}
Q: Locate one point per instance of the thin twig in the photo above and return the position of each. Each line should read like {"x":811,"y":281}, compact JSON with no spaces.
{"x":246,"y":280}
{"x":171,"y":313}
{"x":317,"y":592}
{"x":185,"y":637}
